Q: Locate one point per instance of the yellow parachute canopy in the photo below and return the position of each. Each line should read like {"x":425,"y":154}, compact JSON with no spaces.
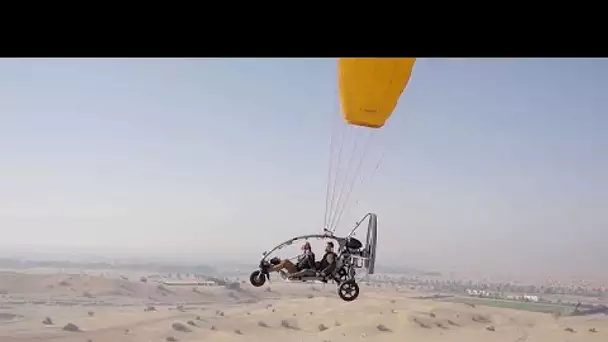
{"x":370,"y":88}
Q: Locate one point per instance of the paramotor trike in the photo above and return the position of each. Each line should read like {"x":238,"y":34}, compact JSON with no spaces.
{"x":353,"y":256}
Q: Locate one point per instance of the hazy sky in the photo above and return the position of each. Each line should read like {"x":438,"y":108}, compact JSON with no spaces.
{"x":488,"y":162}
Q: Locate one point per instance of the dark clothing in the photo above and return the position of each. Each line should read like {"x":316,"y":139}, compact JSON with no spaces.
{"x":306,"y":262}
{"x":328,"y":263}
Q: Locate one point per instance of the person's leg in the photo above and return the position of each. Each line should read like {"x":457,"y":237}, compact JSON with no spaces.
{"x":290,"y":267}
{"x":284,"y":264}
{"x":303,"y":273}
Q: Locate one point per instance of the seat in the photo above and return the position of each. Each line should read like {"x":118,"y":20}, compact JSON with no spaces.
{"x":303,"y":273}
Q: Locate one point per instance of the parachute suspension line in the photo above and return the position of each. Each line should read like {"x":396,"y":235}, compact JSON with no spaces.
{"x":363,"y":181}
{"x":382,"y":152}
{"x":346,"y":195}
{"x":333,"y":190}
{"x":343,"y":184}
{"x":334,"y":125}
{"x":340,"y":202}
{"x":363,"y":85}
{"x":362,"y":158}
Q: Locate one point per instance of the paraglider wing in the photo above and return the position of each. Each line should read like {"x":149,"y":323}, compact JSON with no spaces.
{"x":370,"y":88}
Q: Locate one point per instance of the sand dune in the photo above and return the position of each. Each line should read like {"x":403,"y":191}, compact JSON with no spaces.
{"x":123,"y":310}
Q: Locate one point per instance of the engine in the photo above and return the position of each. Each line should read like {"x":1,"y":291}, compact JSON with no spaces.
{"x":353,"y":246}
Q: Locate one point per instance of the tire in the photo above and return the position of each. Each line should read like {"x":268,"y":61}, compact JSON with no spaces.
{"x":257,"y":278}
{"x":342,"y":275}
{"x":348,"y":291}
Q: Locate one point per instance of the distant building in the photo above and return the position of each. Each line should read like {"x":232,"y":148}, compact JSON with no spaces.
{"x":530,"y":298}
{"x":479,"y":293}
{"x":206,"y":283}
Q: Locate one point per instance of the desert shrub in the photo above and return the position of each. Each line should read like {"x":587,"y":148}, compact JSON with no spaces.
{"x":480,"y":319}
{"x":383,"y":328}
{"x":71,"y":327}
{"x":180,"y":327}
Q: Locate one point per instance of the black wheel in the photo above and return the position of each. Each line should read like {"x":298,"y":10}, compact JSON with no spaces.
{"x":257,"y":278}
{"x":342,"y":275}
{"x":348,"y":291}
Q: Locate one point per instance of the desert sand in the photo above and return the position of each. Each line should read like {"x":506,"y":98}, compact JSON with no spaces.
{"x":40,"y":307}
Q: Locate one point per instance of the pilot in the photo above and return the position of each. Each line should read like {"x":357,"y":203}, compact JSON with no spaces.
{"x":329,"y":260}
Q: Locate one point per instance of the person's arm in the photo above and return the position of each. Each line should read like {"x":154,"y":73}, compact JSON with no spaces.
{"x":301,"y":261}
{"x":311,"y":261}
{"x":306,"y":261}
{"x":331,"y":264}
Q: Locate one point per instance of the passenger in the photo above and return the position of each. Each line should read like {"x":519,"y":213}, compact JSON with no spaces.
{"x":329,"y":261}
{"x":306,"y":260}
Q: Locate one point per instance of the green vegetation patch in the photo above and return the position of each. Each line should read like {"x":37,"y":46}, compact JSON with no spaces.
{"x":510,"y":304}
